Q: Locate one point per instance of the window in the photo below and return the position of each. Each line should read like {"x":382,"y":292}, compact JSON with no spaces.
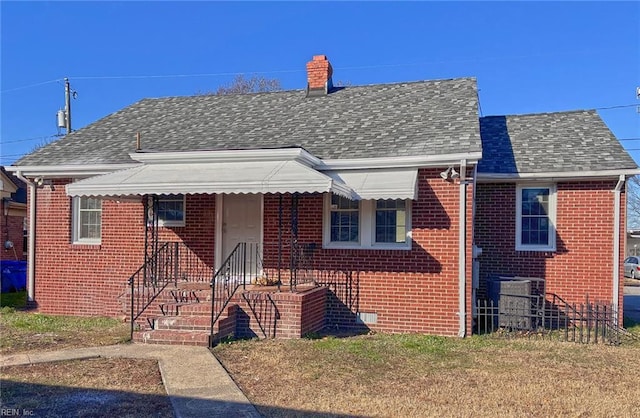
{"x":383,"y":224}
{"x":391,"y":221}
{"x":345,"y":219}
{"x":87,"y":220}
{"x":535,"y":224}
{"x":171,"y":210}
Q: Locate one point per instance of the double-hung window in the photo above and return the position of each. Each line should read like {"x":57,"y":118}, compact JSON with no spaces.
{"x":171,"y":210}
{"x":345,"y":220}
{"x":87,"y":220}
{"x":535,"y":218}
{"x":391,"y":221}
{"x":379,"y":224}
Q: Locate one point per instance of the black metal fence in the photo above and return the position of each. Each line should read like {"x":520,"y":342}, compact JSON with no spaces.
{"x":548,"y":316}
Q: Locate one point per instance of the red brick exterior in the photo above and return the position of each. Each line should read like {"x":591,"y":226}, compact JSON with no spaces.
{"x":410,"y":290}
{"x":582,"y":264}
{"x":12,"y":230}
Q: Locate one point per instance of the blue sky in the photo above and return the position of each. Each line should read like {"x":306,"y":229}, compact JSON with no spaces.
{"x":527,"y":57}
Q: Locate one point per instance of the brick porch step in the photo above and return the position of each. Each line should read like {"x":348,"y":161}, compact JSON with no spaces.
{"x":191,"y":323}
{"x":186,"y":308}
{"x":173,"y":337}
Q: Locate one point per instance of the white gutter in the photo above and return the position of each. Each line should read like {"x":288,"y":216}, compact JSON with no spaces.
{"x":616,"y":244}
{"x":462,"y":252}
{"x":398,"y":162}
{"x":555,"y":175}
{"x":31,"y":257}
{"x":66,"y":171}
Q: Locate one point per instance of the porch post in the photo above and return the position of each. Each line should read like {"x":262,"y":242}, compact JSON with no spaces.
{"x":293,"y":272}
{"x":279,"y":240}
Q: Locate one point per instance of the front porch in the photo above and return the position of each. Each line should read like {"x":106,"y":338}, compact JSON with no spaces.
{"x":260,"y":291}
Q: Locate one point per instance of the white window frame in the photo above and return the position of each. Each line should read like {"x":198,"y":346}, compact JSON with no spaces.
{"x":551,"y":246}
{"x":164,"y":223}
{"x":367,"y":228}
{"x":75,"y":229}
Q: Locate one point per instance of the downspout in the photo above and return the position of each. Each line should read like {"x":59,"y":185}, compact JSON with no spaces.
{"x":616,"y":243}
{"x":462,"y":252}
{"x":31,"y":255}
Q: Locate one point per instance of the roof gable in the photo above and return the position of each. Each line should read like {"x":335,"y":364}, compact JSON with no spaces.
{"x":574,"y":141}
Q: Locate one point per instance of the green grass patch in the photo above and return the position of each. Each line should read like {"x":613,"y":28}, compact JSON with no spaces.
{"x":51,"y":323}
{"x":14,"y":300}
{"x":25,"y":331}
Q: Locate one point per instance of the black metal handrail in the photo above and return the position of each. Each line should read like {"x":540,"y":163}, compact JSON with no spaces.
{"x":231,"y":274}
{"x":173,"y":262}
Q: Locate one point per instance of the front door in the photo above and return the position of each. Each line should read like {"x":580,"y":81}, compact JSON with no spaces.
{"x":242,"y":222}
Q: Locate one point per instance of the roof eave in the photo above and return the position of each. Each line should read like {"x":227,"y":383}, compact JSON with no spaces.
{"x":67,"y":171}
{"x":399,"y":162}
{"x":555,"y":176}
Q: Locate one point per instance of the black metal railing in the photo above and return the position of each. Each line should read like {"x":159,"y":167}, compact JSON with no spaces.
{"x":171,"y":263}
{"x":548,"y":316}
{"x":231,"y":275}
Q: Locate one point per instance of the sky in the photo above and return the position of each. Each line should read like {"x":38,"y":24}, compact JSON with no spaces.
{"x":528,"y":57}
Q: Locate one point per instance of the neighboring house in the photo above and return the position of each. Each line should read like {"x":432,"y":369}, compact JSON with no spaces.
{"x":13,"y":209}
{"x":382,"y":206}
{"x":633,"y":242}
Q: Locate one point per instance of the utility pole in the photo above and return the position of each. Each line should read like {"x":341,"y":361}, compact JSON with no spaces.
{"x":67,"y":105}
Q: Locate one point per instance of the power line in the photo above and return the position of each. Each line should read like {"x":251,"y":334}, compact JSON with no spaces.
{"x":615,"y":107}
{"x":297,"y":70}
{"x":31,"y":85}
{"x":35,"y":138}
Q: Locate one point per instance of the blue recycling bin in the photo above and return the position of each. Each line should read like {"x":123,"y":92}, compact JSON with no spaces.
{"x":13,"y":275}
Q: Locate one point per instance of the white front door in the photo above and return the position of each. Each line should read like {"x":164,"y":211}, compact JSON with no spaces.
{"x":242,"y":222}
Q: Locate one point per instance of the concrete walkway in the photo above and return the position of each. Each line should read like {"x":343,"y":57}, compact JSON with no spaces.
{"x":195,"y":381}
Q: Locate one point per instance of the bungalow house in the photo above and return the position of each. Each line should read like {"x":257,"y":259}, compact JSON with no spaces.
{"x":386,"y":207}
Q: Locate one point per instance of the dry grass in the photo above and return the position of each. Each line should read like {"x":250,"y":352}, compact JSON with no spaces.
{"x":27,"y":332}
{"x":414,"y":375}
{"x":86,"y":388}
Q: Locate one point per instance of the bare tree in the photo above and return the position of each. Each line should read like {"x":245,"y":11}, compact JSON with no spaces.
{"x":243,"y":85}
{"x":633,"y":203}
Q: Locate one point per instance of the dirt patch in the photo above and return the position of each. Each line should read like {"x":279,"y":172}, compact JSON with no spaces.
{"x":86,"y":388}
{"x":399,"y":376}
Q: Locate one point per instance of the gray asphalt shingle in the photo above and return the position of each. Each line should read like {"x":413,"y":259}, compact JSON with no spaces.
{"x":404,"y":119}
{"x":550,"y":142}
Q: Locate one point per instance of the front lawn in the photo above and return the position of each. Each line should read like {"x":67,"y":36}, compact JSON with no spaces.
{"x":86,"y":388}
{"x":417,"y":375}
{"x":24,"y":332}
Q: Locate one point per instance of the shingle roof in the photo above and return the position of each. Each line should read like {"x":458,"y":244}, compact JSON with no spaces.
{"x":417,"y":118}
{"x":550,"y":142}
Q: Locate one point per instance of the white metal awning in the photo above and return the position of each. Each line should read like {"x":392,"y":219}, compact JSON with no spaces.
{"x":239,"y":177}
{"x":379,"y":183}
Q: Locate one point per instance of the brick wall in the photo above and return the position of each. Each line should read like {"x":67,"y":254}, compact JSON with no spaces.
{"x":79,"y":279}
{"x":11,"y":228}
{"x":582,"y":263}
{"x":409,"y":290}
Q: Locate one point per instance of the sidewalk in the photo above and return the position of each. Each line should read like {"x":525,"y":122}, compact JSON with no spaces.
{"x":195,"y":381}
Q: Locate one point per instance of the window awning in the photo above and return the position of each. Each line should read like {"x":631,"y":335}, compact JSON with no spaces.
{"x":239,"y":177}
{"x":379,"y":183}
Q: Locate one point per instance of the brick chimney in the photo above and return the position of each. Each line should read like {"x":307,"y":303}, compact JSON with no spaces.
{"x":319,"y":74}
